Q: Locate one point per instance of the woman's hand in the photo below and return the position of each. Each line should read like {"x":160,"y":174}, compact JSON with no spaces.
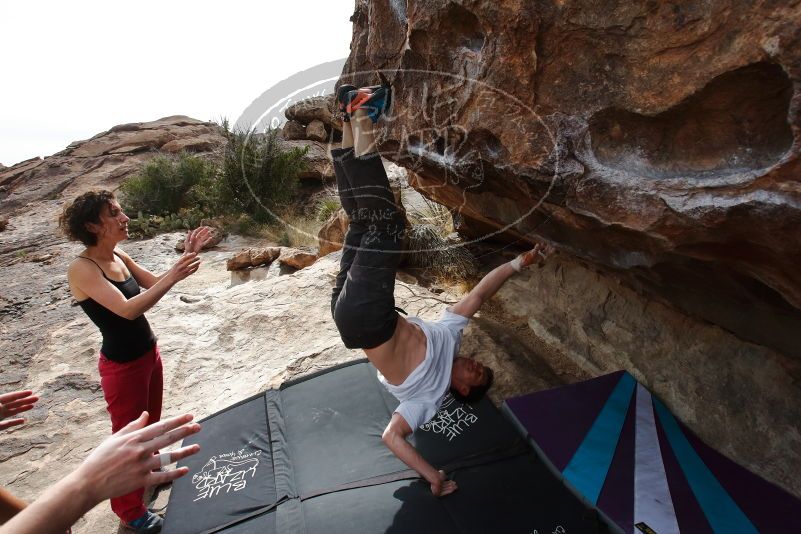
{"x":186,"y":265}
{"x":14,"y":403}
{"x":126,"y":461}
{"x":197,"y":239}
{"x":442,"y":486}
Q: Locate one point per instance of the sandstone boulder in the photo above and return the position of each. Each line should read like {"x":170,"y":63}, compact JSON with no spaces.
{"x":321,"y":108}
{"x":664,"y":145}
{"x":240,"y":260}
{"x":264,"y":256}
{"x":332,"y":234}
{"x":293,"y":130}
{"x":318,"y":161}
{"x":252,"y":257}
{"x":316,"y":131}
{"x":202,"y":143}
{"x":296,"y":259}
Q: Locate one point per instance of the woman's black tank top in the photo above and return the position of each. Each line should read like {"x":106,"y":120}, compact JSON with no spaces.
{"x":124,"y":340}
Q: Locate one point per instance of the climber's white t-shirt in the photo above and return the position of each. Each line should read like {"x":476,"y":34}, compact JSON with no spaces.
{"x":421,"y":394}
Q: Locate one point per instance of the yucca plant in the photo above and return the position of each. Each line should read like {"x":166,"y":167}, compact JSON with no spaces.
{"x":258,"y":174}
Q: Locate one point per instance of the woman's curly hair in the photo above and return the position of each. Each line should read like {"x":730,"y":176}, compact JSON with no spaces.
{"x":84,"y":209}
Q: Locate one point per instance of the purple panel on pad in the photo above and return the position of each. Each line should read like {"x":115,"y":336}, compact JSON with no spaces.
{"x":559,"y":419}
{"x":617,"y":495}
{"x":769,"y":508}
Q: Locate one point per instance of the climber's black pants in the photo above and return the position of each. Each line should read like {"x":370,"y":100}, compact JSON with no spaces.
{"x":363,"y":301}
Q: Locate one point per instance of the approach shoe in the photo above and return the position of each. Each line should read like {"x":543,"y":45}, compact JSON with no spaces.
{"x":149,"y":523}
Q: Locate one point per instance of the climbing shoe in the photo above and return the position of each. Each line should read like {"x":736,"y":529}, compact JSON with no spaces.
{"x":149,"y":523}
{"x":375,"y":100}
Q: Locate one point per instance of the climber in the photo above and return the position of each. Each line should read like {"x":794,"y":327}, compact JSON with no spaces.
{"x":416,"y":360}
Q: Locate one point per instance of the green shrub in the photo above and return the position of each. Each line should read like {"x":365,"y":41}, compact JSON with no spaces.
{"x":252,"y":177}
{"x":327,"y":206}
{"x":258,"y":175}
{"x":150,"y":225}
{"x":166,"y":184}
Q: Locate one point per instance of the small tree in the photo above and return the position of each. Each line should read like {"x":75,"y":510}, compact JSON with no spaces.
{"x":258,"y":174}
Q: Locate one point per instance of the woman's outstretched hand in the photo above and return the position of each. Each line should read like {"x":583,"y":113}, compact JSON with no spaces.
{"x":14,"y":403}
{"x":197,"y":239}
{"x":186,"y":265}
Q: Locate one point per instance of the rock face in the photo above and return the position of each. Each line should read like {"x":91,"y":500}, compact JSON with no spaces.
{"x":668,"y":151}
{"x":296,"y":259}
{"x":316,"y":131}
{"x":318,"y":162}
{"x":104,"y":160}
{"x":293,"y":130}
{"x":332,"y":235}
{"x":321,"y":108}
{"x":658,"y":143}
{"x":252,"y":257}
{"x":311,"y":123}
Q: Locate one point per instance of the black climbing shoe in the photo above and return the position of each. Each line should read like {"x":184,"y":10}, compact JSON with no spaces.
{"x":342,"y":101}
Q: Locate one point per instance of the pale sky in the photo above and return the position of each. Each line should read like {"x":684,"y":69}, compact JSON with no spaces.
{"x":70,"y":70}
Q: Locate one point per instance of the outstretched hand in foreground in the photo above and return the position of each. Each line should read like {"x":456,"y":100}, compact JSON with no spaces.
{"x":121,"y":464}
{"x":14,"y":403}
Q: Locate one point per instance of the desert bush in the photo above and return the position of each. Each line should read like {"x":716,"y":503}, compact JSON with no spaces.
{"x":431,"y":245}
{"x":428,"y":249}
{"x":165,"y":185}
{"x":258,"y":175}
{"x":327,"y":206}
{"x":151,"y":225}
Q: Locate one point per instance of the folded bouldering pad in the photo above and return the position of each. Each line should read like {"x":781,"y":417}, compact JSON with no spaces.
{"x":625,"y":452}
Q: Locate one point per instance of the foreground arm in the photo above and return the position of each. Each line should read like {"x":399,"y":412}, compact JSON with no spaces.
{"x":119,"y":465}
{"x":492,"y":282}
{"x":394,"y":437}
{"x":193,"y":243}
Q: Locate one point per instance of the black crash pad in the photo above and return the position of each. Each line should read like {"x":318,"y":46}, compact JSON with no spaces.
{"x":308,"y":458}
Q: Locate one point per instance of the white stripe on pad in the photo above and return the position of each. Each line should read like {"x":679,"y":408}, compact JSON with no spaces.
{"x":652,"y":502}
